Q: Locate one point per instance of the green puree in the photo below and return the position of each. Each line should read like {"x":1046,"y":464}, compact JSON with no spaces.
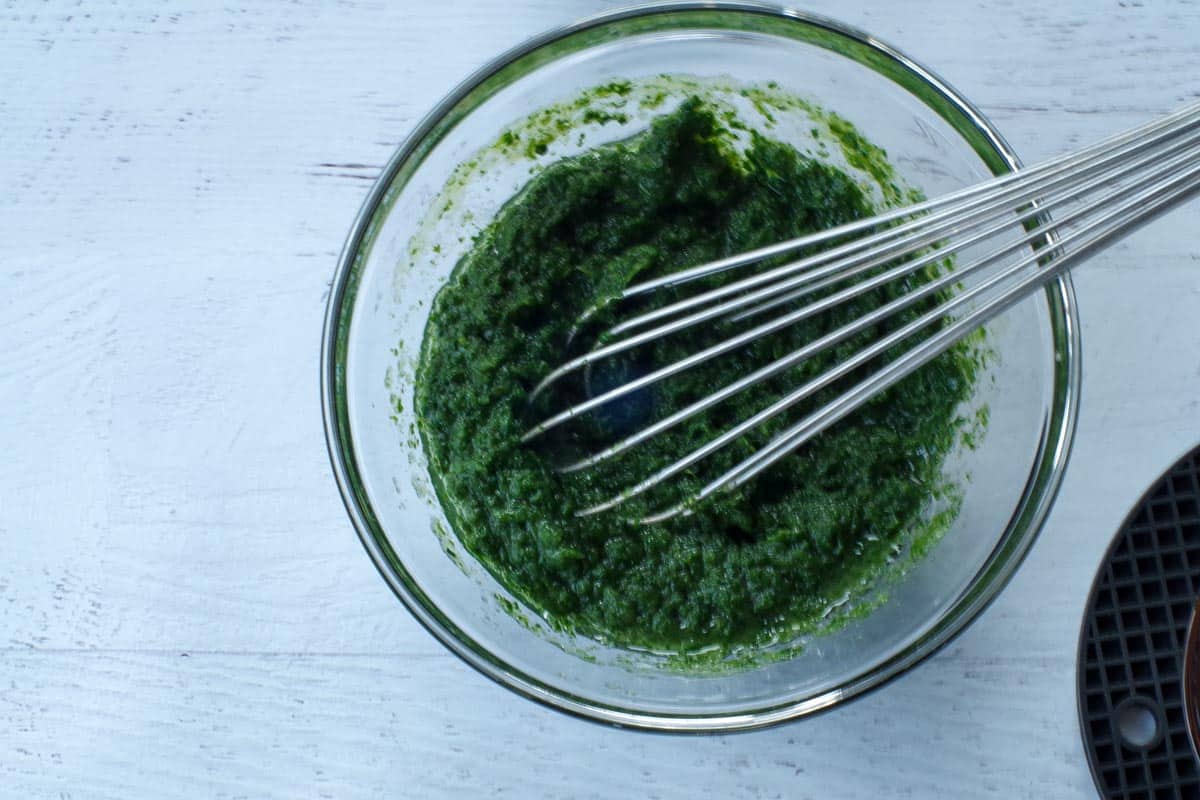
{"x":750,"y":567}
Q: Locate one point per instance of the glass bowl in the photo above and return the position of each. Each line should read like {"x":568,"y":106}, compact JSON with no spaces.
{"x":442,"y":185}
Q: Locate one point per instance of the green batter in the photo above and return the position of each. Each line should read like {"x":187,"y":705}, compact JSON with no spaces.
{"x":748,"y":567}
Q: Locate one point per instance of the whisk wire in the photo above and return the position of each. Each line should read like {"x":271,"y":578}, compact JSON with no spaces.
{"x":1108,"y":189}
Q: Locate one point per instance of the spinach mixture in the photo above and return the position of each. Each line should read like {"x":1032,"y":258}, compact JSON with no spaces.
{"x":760,"y":564}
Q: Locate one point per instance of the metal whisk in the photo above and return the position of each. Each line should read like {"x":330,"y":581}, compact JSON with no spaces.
{"x":1104,"y":191}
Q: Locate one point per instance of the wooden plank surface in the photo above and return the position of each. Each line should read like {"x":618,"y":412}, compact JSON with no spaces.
{"x":184,"y":609}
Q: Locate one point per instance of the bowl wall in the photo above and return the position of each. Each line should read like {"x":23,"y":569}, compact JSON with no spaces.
{"x":420,"y":219}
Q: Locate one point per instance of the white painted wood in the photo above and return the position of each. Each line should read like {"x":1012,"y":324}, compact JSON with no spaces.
{"x":184,"y":609}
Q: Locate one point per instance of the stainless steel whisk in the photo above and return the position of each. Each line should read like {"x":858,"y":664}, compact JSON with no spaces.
{"x":1107,"y":190}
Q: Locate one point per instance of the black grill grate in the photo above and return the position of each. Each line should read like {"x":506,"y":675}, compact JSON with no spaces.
{"x":1132,"y":644}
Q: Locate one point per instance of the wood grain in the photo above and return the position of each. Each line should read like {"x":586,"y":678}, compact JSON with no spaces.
{"x":184,"y":609}
{"x":300,"y":725}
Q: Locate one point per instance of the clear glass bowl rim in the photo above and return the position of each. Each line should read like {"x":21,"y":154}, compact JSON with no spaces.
{"x":1010,"y":550}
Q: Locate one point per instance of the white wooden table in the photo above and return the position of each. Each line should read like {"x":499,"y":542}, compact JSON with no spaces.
{"x":184,"y":608}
